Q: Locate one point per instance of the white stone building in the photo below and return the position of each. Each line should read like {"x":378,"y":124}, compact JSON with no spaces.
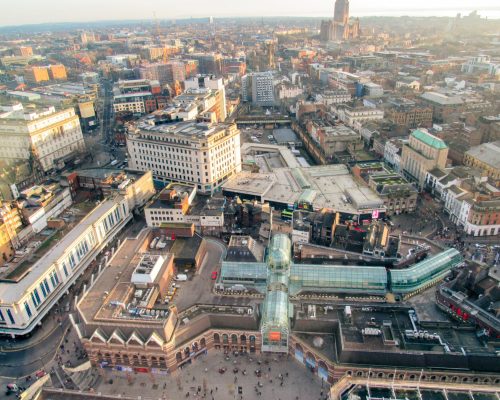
{"x":188,"y":152}
{"x":46,"y":135}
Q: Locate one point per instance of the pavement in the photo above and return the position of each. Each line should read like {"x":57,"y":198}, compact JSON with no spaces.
{"x":203,"y":378}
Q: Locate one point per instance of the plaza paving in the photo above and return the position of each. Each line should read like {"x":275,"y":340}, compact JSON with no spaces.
{"x":298,"y":382}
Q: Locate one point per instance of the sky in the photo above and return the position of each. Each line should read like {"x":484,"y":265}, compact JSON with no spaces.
{"x":19,"y":12}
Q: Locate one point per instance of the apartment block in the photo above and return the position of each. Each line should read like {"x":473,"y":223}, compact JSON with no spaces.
{"x":35,"y":75}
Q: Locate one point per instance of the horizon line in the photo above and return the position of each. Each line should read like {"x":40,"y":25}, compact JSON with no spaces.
{"x":187,"y":18}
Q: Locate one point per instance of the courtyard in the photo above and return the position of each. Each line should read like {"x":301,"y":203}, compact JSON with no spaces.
{"x":217,"y":376}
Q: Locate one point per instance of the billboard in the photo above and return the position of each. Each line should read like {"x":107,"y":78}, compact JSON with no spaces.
{"x":275,"y":336}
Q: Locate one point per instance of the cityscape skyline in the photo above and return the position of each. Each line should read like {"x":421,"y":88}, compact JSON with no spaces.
{"x":31,"y":12}
{"x":250,"y":200}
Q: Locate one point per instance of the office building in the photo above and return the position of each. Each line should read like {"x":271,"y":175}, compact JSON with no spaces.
{"x":173,"y":71}
{"x":31,"y":287}
{"x":188,"y":152}
{"x":136,"y":96}
{"x":47,"y":136}
{"x":212,"y":84}
{"x":422,"y":153}
{"x":233,"y":66}
{"x":485,"y":157}
{"x":481,"y":65}
{"x":407,"y":114}
{"x":311,"y":188}
{"x":258,"y":87}
{"x":208,"y":63}
{"x":29,"y":294}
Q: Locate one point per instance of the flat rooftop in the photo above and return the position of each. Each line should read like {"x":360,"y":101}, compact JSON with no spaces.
{"x":114,"y":286}
{"x":187,"y":129}
{"x":384,"y":328}
{"x":268,"y":156}
{"x":332,"y":184}
{"x":28,"y":272}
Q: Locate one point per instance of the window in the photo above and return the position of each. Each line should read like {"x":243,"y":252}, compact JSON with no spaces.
{"x":47,"y":287}
{"x":11,"y":317}
{"x":35,"y":297}
{"x":44,"y":292}
{"x":65,"y":269}
{"x":27,"y":308}
{"x":54,"y":279}
{"x":2,"y":318}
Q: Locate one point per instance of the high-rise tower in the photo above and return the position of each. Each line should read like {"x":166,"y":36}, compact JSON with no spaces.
{"x":339,"y":28}
{"x":341,"y":14}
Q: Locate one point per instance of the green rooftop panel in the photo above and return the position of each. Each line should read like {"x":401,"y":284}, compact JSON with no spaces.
{"x":429,"y":139}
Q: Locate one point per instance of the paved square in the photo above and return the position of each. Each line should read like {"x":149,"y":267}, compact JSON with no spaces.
{"x":298,"y":381}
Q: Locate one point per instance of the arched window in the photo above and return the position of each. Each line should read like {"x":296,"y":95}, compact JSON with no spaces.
{"x":234,"y":339}
{"x":243,"y":339}
{"x":178,"y":356}
{"x":225,"y":339}
{"x":216,"y":338}
{"x":203,"y":343}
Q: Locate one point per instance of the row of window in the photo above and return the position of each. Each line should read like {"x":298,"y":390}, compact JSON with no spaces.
{"x":9,"y":315}
{"x":46,"y":290}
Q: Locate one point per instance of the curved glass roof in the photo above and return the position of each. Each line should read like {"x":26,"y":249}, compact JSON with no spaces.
{"x":275,"y":310}
{"x":410,"y":279}
{"x":280,"y":249}
{"x":340,"y":278}
{"x":243,"y":270}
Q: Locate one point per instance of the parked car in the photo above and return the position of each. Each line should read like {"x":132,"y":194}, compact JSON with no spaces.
{"x":214,"y":275}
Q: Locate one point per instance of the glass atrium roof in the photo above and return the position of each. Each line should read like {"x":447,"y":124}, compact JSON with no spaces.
{"x":275,"y":312}
{"x":280,"y":250}
{"x":420,"y":274}
{"x":338,"y":278}
{"x":243,"y":270}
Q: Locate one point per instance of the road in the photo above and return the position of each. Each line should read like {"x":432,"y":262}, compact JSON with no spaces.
{"x":198,"y":290}
{"x":26,"y":361}
{"x":38,"y":351}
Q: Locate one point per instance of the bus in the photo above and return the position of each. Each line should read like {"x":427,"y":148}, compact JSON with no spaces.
{"x":286,"y":215}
